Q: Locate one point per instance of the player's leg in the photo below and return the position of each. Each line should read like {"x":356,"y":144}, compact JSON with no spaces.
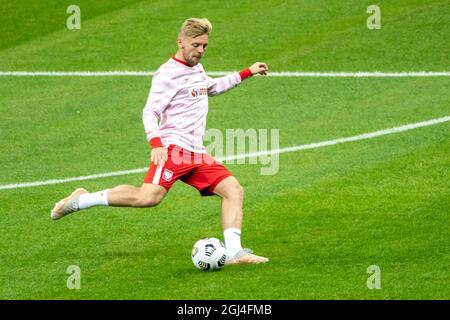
{"x":155,"y":186}
{"x":232,"y":194}
{"x":148,"y":195}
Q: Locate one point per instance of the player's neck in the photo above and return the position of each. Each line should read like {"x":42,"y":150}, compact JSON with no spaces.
{"x":179,"y":58}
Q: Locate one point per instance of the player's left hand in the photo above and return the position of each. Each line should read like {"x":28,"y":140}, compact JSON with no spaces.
{"x":259,"y":68}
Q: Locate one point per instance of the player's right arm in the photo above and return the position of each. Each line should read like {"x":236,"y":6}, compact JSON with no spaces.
{"x":158,"y":156}
{"x":161,"y":93}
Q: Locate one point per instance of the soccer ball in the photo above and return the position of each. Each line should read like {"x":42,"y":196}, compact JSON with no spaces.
{"x":209,"y":254}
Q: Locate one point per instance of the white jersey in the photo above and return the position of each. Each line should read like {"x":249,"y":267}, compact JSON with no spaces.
{"x":179,"y":100}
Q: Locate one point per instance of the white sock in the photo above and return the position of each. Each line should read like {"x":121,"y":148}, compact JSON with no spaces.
{"x":88,"y":200}
{"x":232,"y":238}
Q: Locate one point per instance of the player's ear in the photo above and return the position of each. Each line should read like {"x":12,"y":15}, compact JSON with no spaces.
{"x":180,"y":42}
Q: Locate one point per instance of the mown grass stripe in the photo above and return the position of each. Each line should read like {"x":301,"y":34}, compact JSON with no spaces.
{"x":315,"y":145}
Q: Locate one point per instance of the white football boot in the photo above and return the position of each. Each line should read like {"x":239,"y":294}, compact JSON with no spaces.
{"x":246,"y":256}
{"x":67,"y":205}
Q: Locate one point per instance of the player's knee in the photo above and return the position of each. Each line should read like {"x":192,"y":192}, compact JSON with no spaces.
{"x":145,"y":202}
{"x":240,"y":191}
{"x":236,"y":191}
{"x":149,"y":199}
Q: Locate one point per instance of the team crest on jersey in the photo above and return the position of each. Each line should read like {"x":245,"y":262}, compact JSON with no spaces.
{"x":167,"y":175}
{"x":197,"y":92}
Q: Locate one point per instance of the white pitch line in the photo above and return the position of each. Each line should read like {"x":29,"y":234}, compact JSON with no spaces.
{"x":316,"y":145}
{"x":375,"y":74}
{"x":76,"y":73}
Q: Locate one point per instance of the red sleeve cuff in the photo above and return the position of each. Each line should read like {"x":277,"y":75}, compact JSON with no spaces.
{"x":156,"y":142}
{"x":245,"y":74}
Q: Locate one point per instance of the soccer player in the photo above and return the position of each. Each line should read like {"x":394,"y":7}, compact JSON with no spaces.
{"x":179,"y":100}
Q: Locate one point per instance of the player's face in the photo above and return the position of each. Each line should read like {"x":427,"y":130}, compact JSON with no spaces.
{"x":193,"y":49}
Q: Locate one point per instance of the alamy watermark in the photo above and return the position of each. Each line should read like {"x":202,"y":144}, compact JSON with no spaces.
{"x":374,"y":280}
{"x":374,"y":20}
{"x":246,"y":146}
{"x":73,"y":22}
{"x":74,"y":280}
{"x":234,"y":146}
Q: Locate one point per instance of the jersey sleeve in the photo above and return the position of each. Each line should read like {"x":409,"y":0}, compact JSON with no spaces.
{"x":162,"y":91}
{"x":220,"y":85}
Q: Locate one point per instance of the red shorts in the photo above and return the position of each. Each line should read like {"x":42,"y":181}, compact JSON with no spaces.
{"x":199,"y":170}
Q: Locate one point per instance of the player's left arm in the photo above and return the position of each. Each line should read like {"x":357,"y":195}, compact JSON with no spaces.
{"x":220,"y":85}
{"x":260,"y":68}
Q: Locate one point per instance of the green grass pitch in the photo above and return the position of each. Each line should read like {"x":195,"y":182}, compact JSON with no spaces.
{"x":323,"y":219}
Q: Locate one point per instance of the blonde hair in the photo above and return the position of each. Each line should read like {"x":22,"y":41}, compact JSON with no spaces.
{"x":194,"y":27}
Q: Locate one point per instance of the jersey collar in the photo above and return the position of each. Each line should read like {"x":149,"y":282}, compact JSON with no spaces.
{"x":182,"y":62}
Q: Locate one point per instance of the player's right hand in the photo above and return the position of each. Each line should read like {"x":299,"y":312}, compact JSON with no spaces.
{"x":159,"y":156}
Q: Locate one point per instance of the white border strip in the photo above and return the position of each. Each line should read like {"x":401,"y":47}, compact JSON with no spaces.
{"x":364,"y":136}
{"x":375,"y":74}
